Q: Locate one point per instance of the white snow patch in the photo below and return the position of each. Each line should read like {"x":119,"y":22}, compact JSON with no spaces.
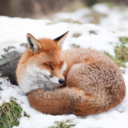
{"x":101,"y":8}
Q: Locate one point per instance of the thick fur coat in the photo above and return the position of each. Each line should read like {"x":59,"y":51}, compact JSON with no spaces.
{"x":93,"y":83}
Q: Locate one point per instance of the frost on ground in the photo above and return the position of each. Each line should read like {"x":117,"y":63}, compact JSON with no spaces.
{"x":13,"y":33}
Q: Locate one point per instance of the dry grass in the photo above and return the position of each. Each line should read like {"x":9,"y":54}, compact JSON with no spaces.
{"x":65,"y":20}
{"x":76,"y":35}
{"x":75,"y":46}
{"x":95,"y":17}
{"x":93,"y":32}
{"x":121,"y":52}
{"x":63,"y":124}
{"x":75,"y":5}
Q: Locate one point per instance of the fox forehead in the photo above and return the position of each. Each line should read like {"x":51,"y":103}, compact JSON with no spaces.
{"x":48,"y":45}
{"x":50,"y":53}
{"x":50,"y":57}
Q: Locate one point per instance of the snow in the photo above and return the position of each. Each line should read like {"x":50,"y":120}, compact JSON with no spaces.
{"x":13,"y":32}
{"x":115,"y":18}
{"x":101,"y":8}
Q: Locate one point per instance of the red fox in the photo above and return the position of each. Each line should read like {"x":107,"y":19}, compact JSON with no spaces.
{"x":78,"y":81}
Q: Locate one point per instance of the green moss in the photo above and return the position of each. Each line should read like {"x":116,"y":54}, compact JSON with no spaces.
{"x":63,"y":124}
{"x":121,"y":52}
{"x":123,"y":40}
{"x":25,"y":114}
{"x":10,"y":113}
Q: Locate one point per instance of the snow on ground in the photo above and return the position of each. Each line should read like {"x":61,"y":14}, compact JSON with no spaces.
{"x":115,"y":17}
{"x":13,"y":33}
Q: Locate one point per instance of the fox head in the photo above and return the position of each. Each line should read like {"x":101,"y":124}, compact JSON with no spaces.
{"x":46,"y":59}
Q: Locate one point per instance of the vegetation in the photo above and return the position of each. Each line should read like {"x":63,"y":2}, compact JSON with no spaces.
{"x":76,"y":35}
{"x":121,"y":52}
{"x":63,"y":124}
{"x":74,"y":46}
{"x":10,"y":113}
{"x":69,"y":20}
{"x":111,"y":4}
{"x":95,"y":16}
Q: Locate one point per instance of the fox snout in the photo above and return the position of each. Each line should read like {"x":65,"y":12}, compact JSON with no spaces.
{"x":58,"y":74}
{"x":61,"y":81}
{"x":57,"y":80}
{"x":57,"y":77}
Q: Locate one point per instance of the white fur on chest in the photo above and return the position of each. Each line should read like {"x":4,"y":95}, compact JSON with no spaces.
{"x":33,"y":80}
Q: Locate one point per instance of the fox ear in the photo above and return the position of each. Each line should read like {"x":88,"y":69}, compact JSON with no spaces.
{"x":33,"y":44}
{"x":60,"y":40}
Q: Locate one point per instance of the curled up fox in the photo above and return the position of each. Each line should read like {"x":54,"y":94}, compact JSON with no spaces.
{"x":78,"y":81}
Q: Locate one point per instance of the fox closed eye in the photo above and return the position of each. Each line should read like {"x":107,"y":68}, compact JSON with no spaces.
{"x":61,"y":64}
{"x":48,"y":65}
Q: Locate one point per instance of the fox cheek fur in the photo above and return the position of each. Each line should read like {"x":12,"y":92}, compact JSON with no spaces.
{"x":54,"y":73}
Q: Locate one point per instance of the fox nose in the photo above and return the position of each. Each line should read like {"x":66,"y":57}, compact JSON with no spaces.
{"x":61,"y":81}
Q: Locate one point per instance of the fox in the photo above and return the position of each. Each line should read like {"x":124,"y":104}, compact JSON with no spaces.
{"x":75,"y":81}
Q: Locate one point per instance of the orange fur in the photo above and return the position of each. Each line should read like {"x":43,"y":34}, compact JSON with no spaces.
{"x":93,"y":81}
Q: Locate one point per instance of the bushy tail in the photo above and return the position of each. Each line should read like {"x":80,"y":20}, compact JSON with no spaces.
{"x":64,"y":101}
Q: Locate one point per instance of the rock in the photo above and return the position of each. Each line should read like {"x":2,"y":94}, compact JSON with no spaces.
{"x":8,"y":64}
